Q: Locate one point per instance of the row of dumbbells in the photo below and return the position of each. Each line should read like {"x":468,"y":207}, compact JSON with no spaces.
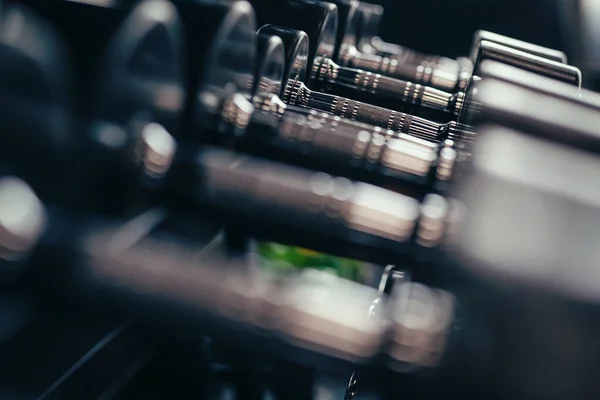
{"x":112,"y":109}
{"x":242,"y":115}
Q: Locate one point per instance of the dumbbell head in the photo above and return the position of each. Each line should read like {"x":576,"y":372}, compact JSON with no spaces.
{"x":369,"y":16}
{"x":132,"y":90}
{"x":348,"y":24}
{"x":34,"y":113}
{"x":127,"y":96}
{"x":270,"y":65}
{"x":142,"y":72}
{"x":296,"y":45}
{"x":22,"y":223}
{"x":221,"y":44}
{"x":319,"y":20}
{"x":118,"y":77}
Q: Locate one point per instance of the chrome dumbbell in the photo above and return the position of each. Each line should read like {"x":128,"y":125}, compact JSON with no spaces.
{"x":444,"y":75}
{"x":318,"y":20}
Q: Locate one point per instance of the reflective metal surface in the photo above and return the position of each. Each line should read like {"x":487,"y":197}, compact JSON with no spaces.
{"x":296,"y":47}
{"x":298,"y":94}
{"x":228,"y":64}
{"x":270,"y":65}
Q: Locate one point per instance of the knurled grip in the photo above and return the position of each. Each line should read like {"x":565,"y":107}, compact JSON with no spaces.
{"x":383,"y":91}
{"x":365,"y":113}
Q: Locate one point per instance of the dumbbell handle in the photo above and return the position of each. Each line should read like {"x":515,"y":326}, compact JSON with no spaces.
{"x":299,"y":95}
{"x":386,"y":91}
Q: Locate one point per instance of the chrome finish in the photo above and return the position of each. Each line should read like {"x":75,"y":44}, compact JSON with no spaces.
{"x":446,"y":161}
{"x":22,"y":219}
{"x":410,"y":155}
{"x":384,"y":91}
{"x":347,"y":55}
{"x":298,"y":94}
{"x":345,"y":142}
{"x":269,"y":103}
{"x":432,"y":224}
{"x":540,"y":51}
{"x":422,"y":318}
{"x":443,"y":79}
{"x":434,"y":99}
{"x":382,"y":213}
{"x":459,"y":103}
{"x":487,"y":50}
{"x":424,"y":72}
{"x":156,"y":149}
{"x":237,"y":111}
{"x":325,"y":70}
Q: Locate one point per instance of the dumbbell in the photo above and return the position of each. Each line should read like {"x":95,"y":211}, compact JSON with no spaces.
{"x":37,"y":137}
{"x":486,"y":45}
{"x":547,"y":297}
{"x":228,"y":300}
{"x":295,"y":93}
{"x":144,"y":158}
{"x":214,"y":89}
{"x":325,"y":75}
{"x":552,"y":110}
{"x":382,"y":117}
{"x":583,"y":137}
{"x":318,"y":141}
{"x":324,"y":142}
{"x":133,"y":269}
{"x":544,"y":215}
{"x":126,"y":98}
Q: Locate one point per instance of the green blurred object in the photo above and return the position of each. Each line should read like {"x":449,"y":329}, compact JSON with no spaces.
{"x":280,"y":257}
